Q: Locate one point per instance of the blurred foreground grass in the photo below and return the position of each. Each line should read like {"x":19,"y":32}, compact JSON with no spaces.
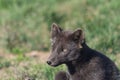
{"x":31,"y":67}
{"x":22,"y":67}
{"x":25,"y":26}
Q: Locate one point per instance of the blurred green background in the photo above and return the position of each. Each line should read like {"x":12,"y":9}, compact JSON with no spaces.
{"x":25,"y":26}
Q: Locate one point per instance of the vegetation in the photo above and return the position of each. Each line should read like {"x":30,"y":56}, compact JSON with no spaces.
{"x":25,"y":26}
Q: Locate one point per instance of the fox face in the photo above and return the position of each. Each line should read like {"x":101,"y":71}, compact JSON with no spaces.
{"x":66,"y":45}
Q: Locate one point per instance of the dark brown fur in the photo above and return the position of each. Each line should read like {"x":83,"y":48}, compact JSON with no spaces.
{"x":83,"y":63}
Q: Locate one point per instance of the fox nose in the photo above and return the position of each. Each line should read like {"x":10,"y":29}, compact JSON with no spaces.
{"x":49,"y":62}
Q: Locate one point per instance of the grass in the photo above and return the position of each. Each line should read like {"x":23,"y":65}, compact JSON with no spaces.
{"x":100,"y":20}
{"x":23,"y":67}
{"x":24,"y":23}
{"x":25,"y":26}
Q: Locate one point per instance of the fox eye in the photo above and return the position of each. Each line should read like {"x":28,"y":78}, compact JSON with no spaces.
{"x":64,"y":50}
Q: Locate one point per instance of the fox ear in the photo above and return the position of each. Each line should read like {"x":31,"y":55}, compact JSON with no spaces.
{"x":55,"y":30}
{"x":78,"y":36}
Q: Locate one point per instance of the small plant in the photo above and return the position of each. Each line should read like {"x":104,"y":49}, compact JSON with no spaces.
{"x":4,"y":64}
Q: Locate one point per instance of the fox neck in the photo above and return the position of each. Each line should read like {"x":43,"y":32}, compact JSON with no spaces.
{"x":73,"y":66}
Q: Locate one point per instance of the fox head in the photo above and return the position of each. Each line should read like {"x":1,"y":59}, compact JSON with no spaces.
{"x":66,"y":45}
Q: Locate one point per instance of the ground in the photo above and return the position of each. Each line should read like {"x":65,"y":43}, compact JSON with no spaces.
{"x":13,"y":66}
{"x":30,"y":66}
